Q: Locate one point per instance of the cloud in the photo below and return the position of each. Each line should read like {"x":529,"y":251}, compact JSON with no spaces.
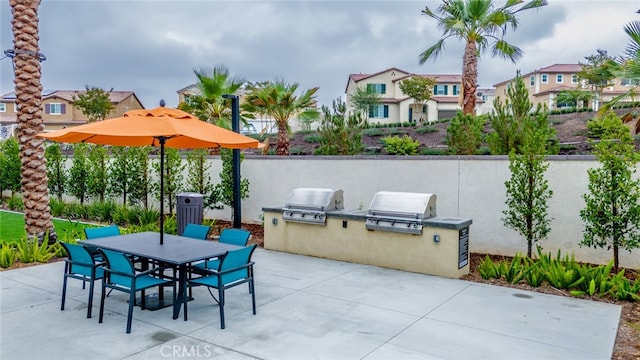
{"x":152,"y":47}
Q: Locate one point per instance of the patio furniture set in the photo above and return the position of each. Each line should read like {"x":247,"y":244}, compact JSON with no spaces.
{"x":135,"y":263}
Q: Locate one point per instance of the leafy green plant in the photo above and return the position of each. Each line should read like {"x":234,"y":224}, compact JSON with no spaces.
{"x":432,"y":151}
{"x":32,"y":251}
{"x":464,"y":134}
{"x":10,"y":165}
{"x":560,"y":272}
{"x":102,"y":211}
{"x":372,"y":132}
{"x":313,"y":138}
{"x":7,"y":255}
{"x":57,"y":207}
{"x":405,"y":145}
{"x":515,"y":271}
{"x":15,"y":203}
{"x":532,"y":275}
{"x":397,"y":131}
{"x":488,"y":269}
{"x":426,"y":129}
{"x":56,"y":170}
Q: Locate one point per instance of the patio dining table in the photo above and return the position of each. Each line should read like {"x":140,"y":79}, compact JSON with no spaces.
{"x":176,"y":251}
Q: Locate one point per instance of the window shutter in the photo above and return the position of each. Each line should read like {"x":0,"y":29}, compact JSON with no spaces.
{"x":371,"y":111}
{"x":384,"y":89}
{"x":47,"y":109}
{"x":446,"y":89}
{"x":386,"y":111}
{"x":370,"y":88}
{"x":63,"y":108}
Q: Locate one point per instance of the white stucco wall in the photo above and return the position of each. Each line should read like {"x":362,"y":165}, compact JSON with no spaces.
{"x":466,"y":186}
{"x":470,"y":187}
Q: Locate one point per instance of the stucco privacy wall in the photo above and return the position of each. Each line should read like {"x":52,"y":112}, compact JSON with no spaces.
{"x":466,"y":186}
{"x":470,"y":187}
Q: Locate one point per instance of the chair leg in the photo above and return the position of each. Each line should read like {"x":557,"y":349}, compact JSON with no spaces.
{"x":101,"y":302}
{"x":132,"y":297}
{"x":64,"y":288}
{"x":90,"y":302}
{"x":221,"y":304}
{"x":253,"y":294}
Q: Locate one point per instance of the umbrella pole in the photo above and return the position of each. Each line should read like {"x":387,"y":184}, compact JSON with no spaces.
{"x":162,"y":141}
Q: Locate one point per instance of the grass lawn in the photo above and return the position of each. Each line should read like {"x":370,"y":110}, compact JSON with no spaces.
{"x":12,"y":227}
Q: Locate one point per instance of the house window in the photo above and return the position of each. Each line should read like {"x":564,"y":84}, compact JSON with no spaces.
{"x":379,"y":111}
{"x":559,"y":78}
{"x":54,"y":109}
{"x":532,"y":80}
{"x":485,"y":98}
{"x":377,"y":88}
{"x":3,"y":107}
{"x":545,"y":78}
{"x":574,"y":78}
{"x":456,"y":90}
{"x":441,"y":90}
{"x":630,"y":82}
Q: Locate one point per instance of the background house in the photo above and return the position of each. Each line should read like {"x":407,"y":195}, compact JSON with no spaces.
{"x":545,"y":83}
{"x":59,"y":111}
{"x":395,"y":106}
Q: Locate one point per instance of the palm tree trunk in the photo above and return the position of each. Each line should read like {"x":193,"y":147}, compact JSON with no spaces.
{"x":28,"y":88}
{"x":469,"y":78}
{"x":282,"y":147}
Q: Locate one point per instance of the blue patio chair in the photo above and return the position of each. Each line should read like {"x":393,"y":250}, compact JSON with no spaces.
{"x":80,"y":265}
{"x":122,"y":276}
{"x":196,"y":231}
{"x":99,"y":232}
{"x":235,"y":268}
{"x":233,"y":236}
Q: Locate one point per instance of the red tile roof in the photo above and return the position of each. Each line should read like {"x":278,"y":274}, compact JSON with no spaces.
{"x":555,"y":68}
{"x":114,"y":96}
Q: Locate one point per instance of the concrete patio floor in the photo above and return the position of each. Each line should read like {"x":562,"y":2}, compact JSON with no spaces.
{"x":308,"y":308}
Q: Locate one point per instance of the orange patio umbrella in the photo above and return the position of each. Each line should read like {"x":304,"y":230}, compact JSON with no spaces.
{"x":164,"y":127}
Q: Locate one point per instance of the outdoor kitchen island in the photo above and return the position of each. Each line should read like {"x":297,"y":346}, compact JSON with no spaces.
{"x":382,"y":236}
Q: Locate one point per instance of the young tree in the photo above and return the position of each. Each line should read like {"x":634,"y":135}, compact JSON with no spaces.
{"x":278,"y":100}
{"x":223,"y":193}
{"x":121,"y":180}
{"x":528,"y":190}
{"x":56,"y":170}
{"x":94,"y":102}
{"x":597,"y":73}
{"x":479,"y":24}
{"x":140,"y":178}
{"x":419,"y":88}
{"x":198,"y":177}
{"x":514,"y":120}
{"x":77,"y":181}
{"x":10,"y":166}
{"x":575,"y":98}
{"x":363,"y":99}
{"x":97,"y":180}
{"x":340,"y":135}
{"x":612,"y":205}
{"x":28,"y":88}
{"x":464,"y":134}
{"x":173,"y":177}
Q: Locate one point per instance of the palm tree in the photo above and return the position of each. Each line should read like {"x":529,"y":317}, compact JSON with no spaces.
{"x":479,"y":24}
{"x":209,"y":105}
{"x":26,"y":62}
{"x":278,"y":100}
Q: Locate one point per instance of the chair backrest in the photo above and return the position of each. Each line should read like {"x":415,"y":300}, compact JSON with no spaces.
{"x":94,"y":233}
{"x":196,"y":231}
{"x":120,"y":268}
{"x":235,"y":259}
{"x":238,"y":237}
{"x":80,"y":258}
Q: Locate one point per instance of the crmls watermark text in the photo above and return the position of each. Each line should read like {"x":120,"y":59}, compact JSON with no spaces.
{"x":186,"y":351}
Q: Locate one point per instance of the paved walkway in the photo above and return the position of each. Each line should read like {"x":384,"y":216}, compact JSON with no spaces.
{"x":308,"y":308}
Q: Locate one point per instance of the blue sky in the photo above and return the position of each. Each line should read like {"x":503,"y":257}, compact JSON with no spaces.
{"x":152,"y":47}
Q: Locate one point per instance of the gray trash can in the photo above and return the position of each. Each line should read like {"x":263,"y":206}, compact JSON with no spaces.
{"x":189,"y":209}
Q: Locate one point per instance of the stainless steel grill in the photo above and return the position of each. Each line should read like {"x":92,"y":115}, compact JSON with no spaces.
{"x":401,"y":212}
{"x":310,"y":205}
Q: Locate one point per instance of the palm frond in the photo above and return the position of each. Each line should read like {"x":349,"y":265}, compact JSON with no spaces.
{"x":633,"y":30}
{"x":432,"y":52}
{"x":533,"y":5}
{"x":505,"y":50}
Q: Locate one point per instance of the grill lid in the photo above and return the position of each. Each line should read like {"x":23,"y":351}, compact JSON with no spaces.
{"x":309,"y":205}
{"x":400,"y":211}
